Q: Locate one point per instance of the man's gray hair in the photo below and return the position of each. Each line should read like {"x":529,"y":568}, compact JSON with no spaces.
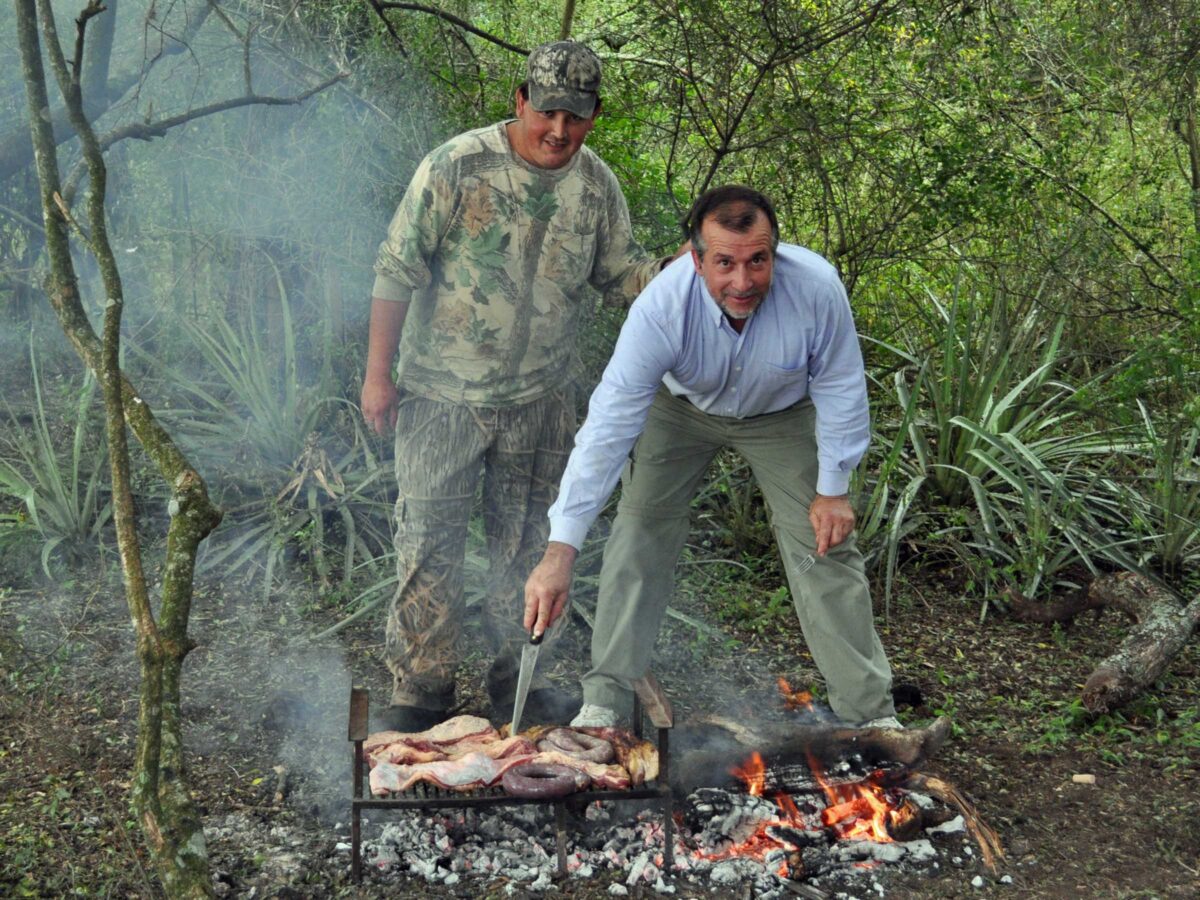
{"x":735,"y":207}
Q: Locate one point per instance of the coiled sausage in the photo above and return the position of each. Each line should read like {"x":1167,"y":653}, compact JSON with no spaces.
{"x":577,"y":744}
{"x":543,"y":780}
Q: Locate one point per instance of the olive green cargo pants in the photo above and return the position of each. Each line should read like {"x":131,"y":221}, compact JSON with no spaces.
{"x":831,"y":597}
{"x":442,"y":451}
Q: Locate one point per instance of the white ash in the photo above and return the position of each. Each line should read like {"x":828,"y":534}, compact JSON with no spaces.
{"x":954,"y":825}
{"x":517,"y":844}
{"x":924,"y":801}
{"x":870,"y":851}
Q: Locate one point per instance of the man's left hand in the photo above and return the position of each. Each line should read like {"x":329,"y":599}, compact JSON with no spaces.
{"x":832,"y":519}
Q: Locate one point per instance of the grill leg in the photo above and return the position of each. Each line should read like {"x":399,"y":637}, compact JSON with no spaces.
{"x":668,"y":834}
{"x":560,"y":836}
{"x":664,"y":774}
{"x":356,"y":816}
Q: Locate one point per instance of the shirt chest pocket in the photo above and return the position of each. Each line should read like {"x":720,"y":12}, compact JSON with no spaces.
{"x":784,"y":376}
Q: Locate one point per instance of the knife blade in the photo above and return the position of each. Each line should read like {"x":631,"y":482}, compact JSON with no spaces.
{"x":529,"y":657}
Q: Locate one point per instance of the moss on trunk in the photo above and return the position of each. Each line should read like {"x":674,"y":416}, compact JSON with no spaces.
{"x":169,"y":820}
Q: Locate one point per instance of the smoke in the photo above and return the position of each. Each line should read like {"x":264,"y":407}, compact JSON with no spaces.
{"x":255,"y":217}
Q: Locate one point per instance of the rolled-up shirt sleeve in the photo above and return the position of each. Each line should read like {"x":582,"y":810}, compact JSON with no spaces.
{"x":616,"y":416}
{"x":838,"y":388}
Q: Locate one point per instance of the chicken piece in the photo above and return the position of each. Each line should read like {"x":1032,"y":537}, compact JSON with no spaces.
{"x":639,"y":758}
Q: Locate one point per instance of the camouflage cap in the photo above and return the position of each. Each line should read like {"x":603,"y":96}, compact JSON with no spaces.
{"x":564,"y":75}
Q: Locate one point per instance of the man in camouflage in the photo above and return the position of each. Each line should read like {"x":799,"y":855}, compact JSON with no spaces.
{"x":487,"y":262}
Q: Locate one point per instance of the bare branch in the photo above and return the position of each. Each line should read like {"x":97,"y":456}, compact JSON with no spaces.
{"x":390,"y":27}
{"x":226,"y":21}
{"x":70,"y":219}
{"x":567,"y":20}
{"x":453,"y":20}
{"x":16,"y":151}
{"x":146,"y":131}
{"x":1095,"y":206}
{"x":94,"y":8}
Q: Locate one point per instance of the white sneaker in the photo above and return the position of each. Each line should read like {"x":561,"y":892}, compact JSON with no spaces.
{"x":593,"y":716}
{"x":884,"y":722}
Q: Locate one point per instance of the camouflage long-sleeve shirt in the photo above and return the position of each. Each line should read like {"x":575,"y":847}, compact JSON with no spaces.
{"x":494,"y":256}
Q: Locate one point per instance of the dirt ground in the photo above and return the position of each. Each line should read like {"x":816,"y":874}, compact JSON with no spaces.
{"x":259,"y":694}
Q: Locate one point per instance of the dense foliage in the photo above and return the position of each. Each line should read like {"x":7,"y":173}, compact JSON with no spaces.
{"x":1010,"y":189}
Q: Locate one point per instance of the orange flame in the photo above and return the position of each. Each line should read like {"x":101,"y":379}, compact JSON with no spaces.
{"x":859,"y":812}
{"x":795,"y":699}
{"x":856,"y":812}
{"x":753,"y":774}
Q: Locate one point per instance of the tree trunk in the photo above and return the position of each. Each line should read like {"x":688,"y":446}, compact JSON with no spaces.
{"x":1163,"y":628}
{"x":169,"y":820}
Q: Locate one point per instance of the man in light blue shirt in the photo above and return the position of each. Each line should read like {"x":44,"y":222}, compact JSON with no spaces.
{"x":748,"y":344}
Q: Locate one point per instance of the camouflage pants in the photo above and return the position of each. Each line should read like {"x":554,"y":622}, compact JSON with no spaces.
{"x":442,"y":450}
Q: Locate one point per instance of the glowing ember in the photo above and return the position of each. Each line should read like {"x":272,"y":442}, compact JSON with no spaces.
{"x":795,"y":699}
{"x":855,"y":812}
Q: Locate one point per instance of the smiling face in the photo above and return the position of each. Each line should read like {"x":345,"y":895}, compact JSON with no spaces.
{"x":548,"y":139}
{"x":736,"y":266}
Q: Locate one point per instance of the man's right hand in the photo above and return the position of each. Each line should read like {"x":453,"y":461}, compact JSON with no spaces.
{"x":379,"y":395}
{"x":548,"y":587}
{"x":379,"y":401}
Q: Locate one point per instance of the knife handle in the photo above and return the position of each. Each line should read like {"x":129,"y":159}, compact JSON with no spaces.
{"x":536,"y":638}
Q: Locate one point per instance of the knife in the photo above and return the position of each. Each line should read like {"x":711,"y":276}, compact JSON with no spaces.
{"x":529,"y":656}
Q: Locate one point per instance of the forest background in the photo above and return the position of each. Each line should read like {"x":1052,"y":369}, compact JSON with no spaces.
{"x":1011,"y":191}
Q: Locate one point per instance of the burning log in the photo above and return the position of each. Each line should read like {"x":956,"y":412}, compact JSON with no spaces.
{"x":1163,"y":628}
{"x":844,"y":754}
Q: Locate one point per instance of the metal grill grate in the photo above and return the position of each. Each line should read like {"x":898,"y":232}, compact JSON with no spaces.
{"x":648,"y":698}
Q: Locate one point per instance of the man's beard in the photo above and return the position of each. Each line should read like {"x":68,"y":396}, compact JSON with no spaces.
{"x":740,"y":313}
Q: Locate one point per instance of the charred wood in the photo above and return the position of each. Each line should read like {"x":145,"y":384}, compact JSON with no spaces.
{"x":907,"y":823}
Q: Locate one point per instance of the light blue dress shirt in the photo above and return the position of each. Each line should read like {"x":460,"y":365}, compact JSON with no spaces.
{"x":799,"y":343}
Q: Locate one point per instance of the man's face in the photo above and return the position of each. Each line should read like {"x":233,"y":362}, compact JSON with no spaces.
{"x":736,"y":267}
{"x":549,"y":139}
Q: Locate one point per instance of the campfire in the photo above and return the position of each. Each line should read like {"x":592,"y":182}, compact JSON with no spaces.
{"x":862,"y":811}
{"x":813,"y":810}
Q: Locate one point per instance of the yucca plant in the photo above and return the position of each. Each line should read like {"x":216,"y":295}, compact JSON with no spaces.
{"x":64,"y":496}
{"x":997,"y":463}
{"x":984,"y":370}
{"x":1165,"y":503}
{"x":883,"y":490}
{"x":350,"y":488}
{"x":249,"y":414}
{"x":1054,"y":516}
{"x":256,"y":426}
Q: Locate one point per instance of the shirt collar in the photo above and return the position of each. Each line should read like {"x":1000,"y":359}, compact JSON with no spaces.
{"x":715,"y":313}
